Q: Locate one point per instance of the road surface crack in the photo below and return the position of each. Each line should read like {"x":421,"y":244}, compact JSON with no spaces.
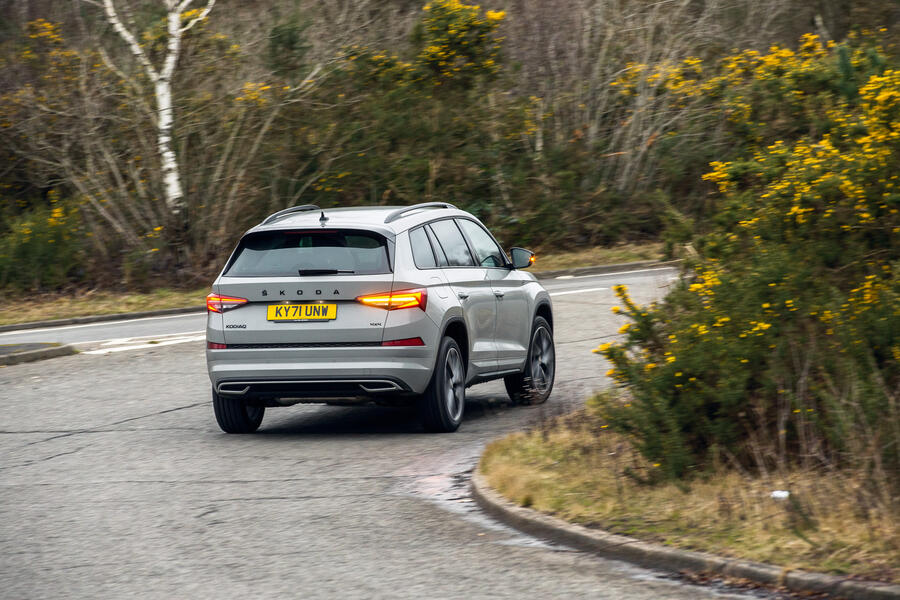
{"x":45,"y":458}
{"x":107,"y":426}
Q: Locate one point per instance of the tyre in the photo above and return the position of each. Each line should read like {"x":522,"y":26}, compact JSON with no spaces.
{"x":444,"y":401}
{"x":236,"y":416}
{"x":534,"y":384}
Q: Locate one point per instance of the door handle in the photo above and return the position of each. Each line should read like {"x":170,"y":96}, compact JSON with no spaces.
{"x":499,"y":294}
{"x":463,"y":295}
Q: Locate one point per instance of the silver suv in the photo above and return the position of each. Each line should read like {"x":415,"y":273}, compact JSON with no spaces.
{"x":377,"y":304}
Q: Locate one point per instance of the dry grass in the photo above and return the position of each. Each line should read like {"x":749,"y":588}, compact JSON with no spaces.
{"x":60,"y":306}
{"x":622,"y":253}
{"x":575,"y":469}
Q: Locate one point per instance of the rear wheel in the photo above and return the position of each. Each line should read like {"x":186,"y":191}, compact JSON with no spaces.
{"x":444,"y":400}
{"x":236,"y":416}
{"x":534,"y":384}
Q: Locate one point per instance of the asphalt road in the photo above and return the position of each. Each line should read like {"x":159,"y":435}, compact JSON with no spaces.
{"x":116,"y":482}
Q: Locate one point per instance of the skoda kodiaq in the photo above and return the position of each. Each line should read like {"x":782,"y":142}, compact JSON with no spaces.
{"x":374,"y":304}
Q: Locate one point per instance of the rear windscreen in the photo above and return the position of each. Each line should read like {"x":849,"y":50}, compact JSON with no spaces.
{"x":298,"y":253}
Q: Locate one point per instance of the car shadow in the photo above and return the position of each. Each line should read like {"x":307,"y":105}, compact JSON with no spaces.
{"x":317,"y":419}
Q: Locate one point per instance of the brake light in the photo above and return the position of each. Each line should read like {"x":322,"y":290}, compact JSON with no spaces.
{"x":416,"y":341}
{"x":395,"y":300}
{"x":216,"y":346}
{"x":218,"y":303}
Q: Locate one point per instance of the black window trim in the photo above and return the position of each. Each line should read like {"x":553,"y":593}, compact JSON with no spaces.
{"x":435,"y":247}
{"x":433,"y":239}
{"x":430,"y":248}
{"x":465,"y":239}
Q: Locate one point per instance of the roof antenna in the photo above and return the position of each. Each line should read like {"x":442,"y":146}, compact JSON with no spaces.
{"x":323,"y":219}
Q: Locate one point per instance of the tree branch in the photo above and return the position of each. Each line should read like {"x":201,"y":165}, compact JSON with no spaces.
{"x":200,"y":17}
{"x":113,"y":17}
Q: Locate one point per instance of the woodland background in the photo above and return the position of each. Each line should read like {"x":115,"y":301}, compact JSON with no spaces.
{"x":557,"y":122}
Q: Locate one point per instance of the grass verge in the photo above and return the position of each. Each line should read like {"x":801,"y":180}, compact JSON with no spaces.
{"x":43,"y":307}
{"x":621,"y":253}
{"x":575,"y":468}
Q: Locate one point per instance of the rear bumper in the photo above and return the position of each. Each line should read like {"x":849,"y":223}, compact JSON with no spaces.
{"x":320,"y":372}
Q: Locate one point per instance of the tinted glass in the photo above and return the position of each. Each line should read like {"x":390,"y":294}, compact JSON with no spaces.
{"x":487,"y":252}
{"x":438,"y":251}
{"x":286,"y":253}
{"x":453,"y":243}
{"x":421,"y":249}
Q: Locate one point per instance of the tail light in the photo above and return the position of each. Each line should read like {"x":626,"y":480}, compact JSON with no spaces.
{"x":416,"y":341}
{"x":218,"y":303}
{"x":395,"y":300}
{"x":216,"y":346}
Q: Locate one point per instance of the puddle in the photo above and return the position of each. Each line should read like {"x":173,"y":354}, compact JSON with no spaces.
{"x":450,"y":491}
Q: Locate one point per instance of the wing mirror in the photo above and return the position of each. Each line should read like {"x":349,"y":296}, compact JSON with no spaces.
{"x":521,"y":258}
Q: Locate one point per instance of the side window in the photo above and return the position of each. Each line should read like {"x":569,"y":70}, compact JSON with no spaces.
{"x":421,"y":248}
{"x":438,"y":251}
{"x":453,"y":243}
{"x":487,"y":252}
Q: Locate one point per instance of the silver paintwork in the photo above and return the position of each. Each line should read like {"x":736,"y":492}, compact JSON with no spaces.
{"x":495,"y":305}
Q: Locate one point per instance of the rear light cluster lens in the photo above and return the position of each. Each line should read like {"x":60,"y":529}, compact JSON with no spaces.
{"x":218,"y":303}
{"x":416,"y":341}
{"x":216,"y":346}
{"x":395,"y":300}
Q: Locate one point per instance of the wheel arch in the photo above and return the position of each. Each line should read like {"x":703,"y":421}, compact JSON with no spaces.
{"x":456,"y":329}
{"x":544,"y":310}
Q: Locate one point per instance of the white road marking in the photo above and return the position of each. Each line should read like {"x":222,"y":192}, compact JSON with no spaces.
{"x":578,"y":291}
{"x":637,"y":271}
{"x":170,"y":342}
{"x":614,"y":273}
{"x":136,"y":338}
{"x":98,"y":324}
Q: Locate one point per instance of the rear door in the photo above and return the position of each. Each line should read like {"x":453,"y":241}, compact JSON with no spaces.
{"x":301,"y":287}
{"x":472,"y":285}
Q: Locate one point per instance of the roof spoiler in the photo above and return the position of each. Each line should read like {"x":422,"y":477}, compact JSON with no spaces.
{"x":406,"y":209}
{"x":289,"y":211}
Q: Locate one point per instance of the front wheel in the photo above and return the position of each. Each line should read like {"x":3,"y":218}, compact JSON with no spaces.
{"x":444,"y":400}
{"x":236,"y":416}
{"x":534,"y":384}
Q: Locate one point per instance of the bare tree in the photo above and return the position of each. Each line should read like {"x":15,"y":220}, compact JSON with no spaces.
{"x":161,"y":78}
{"x":573,"y":50}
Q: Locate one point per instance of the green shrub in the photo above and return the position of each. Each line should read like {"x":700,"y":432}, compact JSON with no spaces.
{"x":43,"y":249}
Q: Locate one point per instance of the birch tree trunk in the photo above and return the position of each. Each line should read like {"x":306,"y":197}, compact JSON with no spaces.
{"x":162,"y":88}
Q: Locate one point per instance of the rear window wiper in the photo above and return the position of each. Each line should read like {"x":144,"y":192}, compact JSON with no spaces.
{"x":304,"y":272}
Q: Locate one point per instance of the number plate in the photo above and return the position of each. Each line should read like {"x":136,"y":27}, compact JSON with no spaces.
{"x":301,"y":312}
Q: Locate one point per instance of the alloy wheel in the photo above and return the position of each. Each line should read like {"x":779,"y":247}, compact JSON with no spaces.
{"x":543,"y":360}
{"x":454,"y":385}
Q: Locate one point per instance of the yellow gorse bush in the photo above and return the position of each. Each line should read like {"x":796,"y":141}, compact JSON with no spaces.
{"x":796,"y":297}
{"x":460,"y":41}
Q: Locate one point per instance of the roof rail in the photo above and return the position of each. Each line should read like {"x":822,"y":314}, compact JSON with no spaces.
{"x":288,"y":211}
{"x":402,"y":211}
